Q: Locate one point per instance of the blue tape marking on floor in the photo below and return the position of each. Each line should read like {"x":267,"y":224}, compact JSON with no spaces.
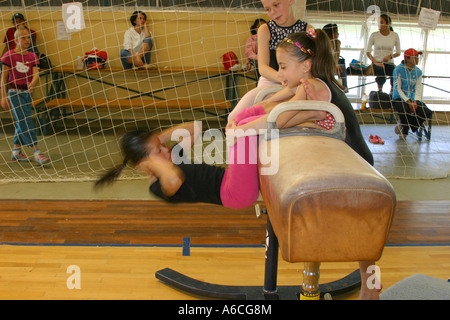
{"x":150,"y":245}
{"x":186,"y":246}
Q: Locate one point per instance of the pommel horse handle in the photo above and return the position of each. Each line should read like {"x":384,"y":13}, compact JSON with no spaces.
{"x":267,"y":91}
{"x":338,"y":131}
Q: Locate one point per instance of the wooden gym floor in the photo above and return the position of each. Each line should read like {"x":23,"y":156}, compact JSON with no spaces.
{"x":118,"y":246}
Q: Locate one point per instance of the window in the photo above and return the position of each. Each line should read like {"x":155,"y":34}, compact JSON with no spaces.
{"x":436,"y":54}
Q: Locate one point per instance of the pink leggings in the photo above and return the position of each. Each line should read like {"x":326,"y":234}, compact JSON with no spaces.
{"x":250,"y":114}
{"x":240,"y":184}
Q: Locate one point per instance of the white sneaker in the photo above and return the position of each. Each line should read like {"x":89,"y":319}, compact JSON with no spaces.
{"x":398,"y":131}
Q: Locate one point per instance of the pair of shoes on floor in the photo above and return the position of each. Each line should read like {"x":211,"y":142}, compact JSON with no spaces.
{"x":398,"y":131}
{"x":41,"y":159}
{"x":376,"y":139}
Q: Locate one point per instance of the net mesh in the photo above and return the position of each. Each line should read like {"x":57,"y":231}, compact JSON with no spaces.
{"x":79,"y":114}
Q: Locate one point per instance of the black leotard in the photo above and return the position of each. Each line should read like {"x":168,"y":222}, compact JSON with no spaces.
{"x":354,"y":137}
{"x":202,"y":184}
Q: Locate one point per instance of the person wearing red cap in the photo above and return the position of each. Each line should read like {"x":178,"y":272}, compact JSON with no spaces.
{"x":407,"y":95}
{"x":19,"y":22}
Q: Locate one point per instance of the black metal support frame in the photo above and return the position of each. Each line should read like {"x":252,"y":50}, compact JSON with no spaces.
{"x":270,"y":290}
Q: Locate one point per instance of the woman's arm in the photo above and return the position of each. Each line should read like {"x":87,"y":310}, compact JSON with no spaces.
{"x":286,"y":119}
{"x":369,"y":48}
{"x":147,"y":32}
{"x":169,"y":175}
{"x":398,"y":50}
{"x":283,"y":95}
{"x":309,"y":89}
{"x":403,"y":96}
{"x":127,"y":42}
{"x":250,"y":48}
{"x":398,"y":84}
{"x":185,"y":134}
{"x":419,"y":89}
{"x":264,"y":55}
{"x":34,"y":80}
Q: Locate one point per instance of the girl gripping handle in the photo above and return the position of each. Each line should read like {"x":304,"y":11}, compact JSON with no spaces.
{"x":307,"y":69}
{"x":304,"y":60}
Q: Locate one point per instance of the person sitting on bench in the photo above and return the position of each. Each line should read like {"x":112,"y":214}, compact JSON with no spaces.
{"x":137,"y":43}
{"x":407,"y":95}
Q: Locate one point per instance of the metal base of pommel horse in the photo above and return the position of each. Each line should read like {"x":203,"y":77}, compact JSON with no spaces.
{"x":270,"y":290}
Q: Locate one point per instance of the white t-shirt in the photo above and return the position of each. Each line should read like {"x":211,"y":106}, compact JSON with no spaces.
{"x":383,"y":45}
{"x":133,"y":40}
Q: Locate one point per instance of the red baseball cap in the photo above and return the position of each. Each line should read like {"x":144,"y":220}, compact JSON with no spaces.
{"x":411,"y":53}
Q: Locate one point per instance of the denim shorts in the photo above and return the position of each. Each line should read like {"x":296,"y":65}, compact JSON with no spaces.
{"x":125,"y":54}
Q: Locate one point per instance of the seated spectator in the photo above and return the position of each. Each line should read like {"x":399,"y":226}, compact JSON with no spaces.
{"x":331,"y":30}
{"x":251,"y":46}
{"x":137,"y":43}
{"x":407,"y":95}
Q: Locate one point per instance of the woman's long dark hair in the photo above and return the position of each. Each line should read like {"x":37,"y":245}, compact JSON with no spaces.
{"x":134,"y":148}
{"x":323,"y":63}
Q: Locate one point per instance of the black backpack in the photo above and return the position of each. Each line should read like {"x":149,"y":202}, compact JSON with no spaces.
{"x":44,"y":62}
{"x":379,"y":100}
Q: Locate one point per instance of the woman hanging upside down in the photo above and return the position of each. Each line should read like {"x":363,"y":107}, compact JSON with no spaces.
{"x":236,"y":186}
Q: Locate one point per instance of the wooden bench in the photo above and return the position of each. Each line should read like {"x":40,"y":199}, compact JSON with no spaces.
{"x":136,"y":98}
{"x":217,"y":71}
{"x":388,"y":115}
{"x":156,"y":70}
{"x":218,"y":108}
{"x":37,"y":102}
{"x":199,"y":74}
{"x":140,"y":103}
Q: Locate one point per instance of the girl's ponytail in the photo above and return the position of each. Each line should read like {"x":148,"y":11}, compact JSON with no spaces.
{"x":314,"y":45}
{"x":110,"y":176}
{"x":134,"y":148}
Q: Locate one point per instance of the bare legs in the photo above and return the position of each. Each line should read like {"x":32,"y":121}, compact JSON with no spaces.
{"x":370,"y":285}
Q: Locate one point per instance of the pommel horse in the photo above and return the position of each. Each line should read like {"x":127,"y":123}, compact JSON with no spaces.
{"x":325,"y":203}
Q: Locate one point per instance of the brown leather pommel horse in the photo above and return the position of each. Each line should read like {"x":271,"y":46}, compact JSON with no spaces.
{"x":324,"y":203}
